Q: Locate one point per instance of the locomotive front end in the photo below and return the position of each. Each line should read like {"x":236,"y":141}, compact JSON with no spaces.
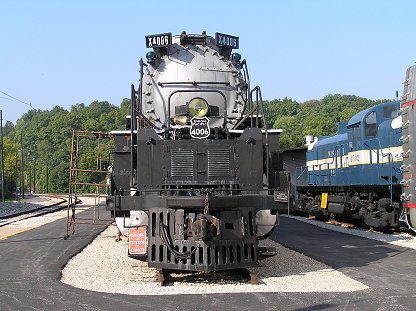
{"x":191,"y":180}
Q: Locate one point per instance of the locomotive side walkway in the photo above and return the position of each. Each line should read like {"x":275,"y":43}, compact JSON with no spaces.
{"x":30,"y":265}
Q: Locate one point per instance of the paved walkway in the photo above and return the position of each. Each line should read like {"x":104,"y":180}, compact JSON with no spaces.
{"x":30,"y":265}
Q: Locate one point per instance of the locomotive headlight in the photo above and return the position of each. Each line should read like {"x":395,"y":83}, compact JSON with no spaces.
{"x":198,"y":107}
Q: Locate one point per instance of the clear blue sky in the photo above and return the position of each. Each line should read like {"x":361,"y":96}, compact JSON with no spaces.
{"x":67,"y":52}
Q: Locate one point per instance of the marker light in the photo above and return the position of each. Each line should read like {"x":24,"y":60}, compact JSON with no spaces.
{"x":151,"y":56}
{"x":235,"y":57}
{"x":180,"y":120}
{"x":198,"y":107}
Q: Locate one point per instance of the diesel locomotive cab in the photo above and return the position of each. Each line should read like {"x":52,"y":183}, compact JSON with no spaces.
{"x":356,"y":173}
{"x":194,"y":176}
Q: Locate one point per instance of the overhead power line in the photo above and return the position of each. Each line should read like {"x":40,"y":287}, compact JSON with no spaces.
{"x":21,"y":101}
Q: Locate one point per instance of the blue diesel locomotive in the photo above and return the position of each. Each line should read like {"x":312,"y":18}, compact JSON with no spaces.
{"x":356,"y":173}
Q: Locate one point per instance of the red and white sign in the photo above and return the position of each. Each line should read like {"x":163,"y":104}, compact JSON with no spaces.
{"x":138,"y":241}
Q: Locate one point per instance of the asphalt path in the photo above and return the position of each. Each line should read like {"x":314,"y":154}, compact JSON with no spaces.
{"x":30,"y":265}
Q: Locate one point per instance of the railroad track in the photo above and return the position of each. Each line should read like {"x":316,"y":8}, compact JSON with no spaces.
{"x":168,"y":277}
{"x":352,"y":225}
{"x":34,"y":212}
{"x":357,"y":224}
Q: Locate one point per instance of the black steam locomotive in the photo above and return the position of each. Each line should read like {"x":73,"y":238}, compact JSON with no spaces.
{"x":195,"y":172}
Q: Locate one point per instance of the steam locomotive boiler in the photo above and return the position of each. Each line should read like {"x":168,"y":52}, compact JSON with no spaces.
{"x":196,"y":170}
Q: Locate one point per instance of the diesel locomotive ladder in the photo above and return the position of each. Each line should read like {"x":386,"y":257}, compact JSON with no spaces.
{"x":87,"y":181}
{"x":408,"y":107}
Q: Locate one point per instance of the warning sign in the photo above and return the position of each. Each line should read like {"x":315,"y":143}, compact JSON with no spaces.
{"x":138,"y":241}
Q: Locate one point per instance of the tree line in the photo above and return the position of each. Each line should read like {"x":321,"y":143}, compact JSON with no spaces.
{"x":45,"y":135}
{"x":313,"y":117}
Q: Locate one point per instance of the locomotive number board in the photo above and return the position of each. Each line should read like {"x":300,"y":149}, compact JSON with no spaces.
{"x":159,"y":41}
{"x":226,"y":40}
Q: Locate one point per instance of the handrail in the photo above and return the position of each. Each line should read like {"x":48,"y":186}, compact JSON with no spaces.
{"x":133,"y":123}
{"x":321,"y":167}
{"x":259,"y":101}
{"x":247,"y":80}
{"x":243,"y":119}
{"x":259,"y":105}
{"x":193,"y":83}
{"x":256,"y":109}
{"x":390,"y":162}
{"x":300,"y":171}
{"x":250,"y":108}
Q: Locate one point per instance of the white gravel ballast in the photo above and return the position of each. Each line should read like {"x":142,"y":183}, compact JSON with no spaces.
{"x":105,"y":267}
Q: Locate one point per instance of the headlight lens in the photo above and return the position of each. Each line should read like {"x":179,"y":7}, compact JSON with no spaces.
{"x":198,"y":107}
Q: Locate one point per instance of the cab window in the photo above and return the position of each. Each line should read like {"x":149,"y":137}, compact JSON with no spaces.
{"x":389,"y":112}
{"x":355,"y":137}
{"x":371,"y":125}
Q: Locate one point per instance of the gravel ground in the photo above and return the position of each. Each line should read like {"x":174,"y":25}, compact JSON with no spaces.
{"x":104,"y":266}
{"x":400,"y":239}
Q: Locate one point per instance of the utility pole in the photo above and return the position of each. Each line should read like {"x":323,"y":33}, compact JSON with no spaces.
{"x":47,"y":190}
{"x":22,"y":180}
{"x":2,"y":155}
{"x":30,"y":179}
{"x":16,"y":175}
{"x":34,"y":175}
